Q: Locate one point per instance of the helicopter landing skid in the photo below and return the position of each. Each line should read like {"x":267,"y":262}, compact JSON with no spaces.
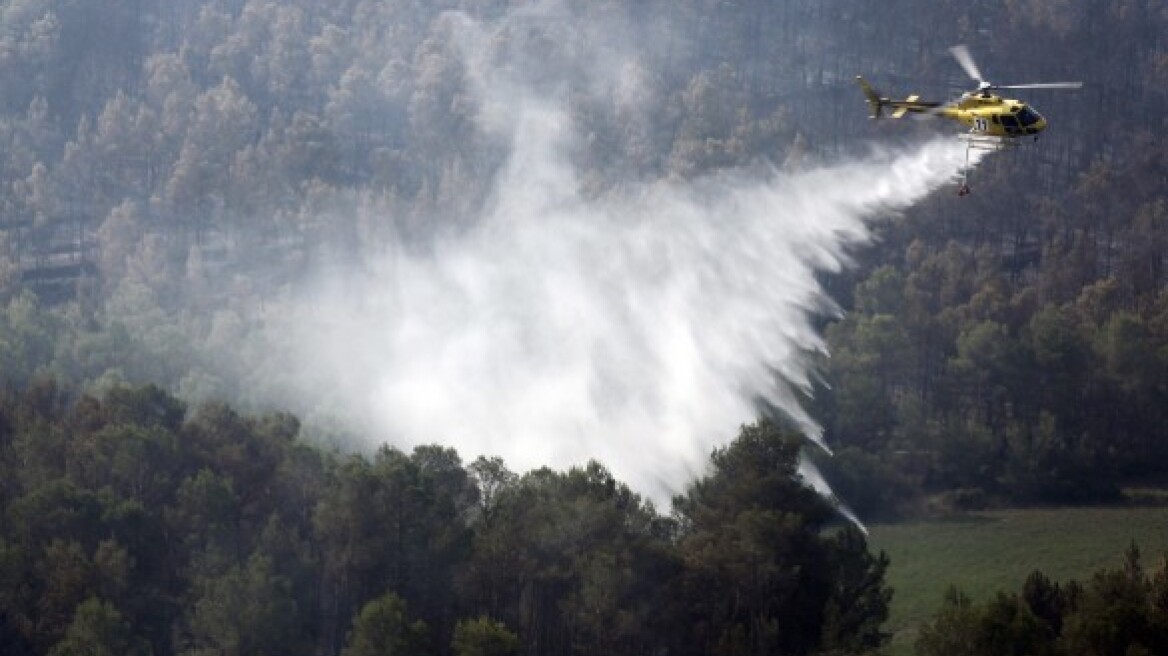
{"x":986,"y":142}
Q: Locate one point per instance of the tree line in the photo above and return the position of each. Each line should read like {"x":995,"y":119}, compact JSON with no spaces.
{"x":133,"y":524}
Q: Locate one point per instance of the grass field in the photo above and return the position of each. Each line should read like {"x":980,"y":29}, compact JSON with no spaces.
{"x":984,"y":552}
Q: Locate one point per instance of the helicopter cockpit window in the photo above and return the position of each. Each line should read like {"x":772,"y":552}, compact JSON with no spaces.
{"x":1009,"y":121}
{"x":1027,"y":116}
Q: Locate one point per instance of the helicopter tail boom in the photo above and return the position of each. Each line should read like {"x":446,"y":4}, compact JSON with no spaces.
{"x":901,"y":108}
{"x":877,"y":103}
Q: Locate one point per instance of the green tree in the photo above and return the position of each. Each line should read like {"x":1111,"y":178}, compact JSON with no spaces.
{"x":574,"y":561}
{"x":492,"y":479}
{"x":484,"y":637}
{"x":246,"y":610}
{"x":98,"y":629}
{"x":17,"y":600}
{"x":382,"y":628}
{"x":206,"y":513}
{"x":66,"y":574}
{"x":757,"y":577}
{"x":1111,"y":617}
{"x":870,"y":366}
{"x":953,"y":629}
{"x":1006,"y":626}
{"x":394,"y":523}
{"x":1046,"y":600}
{"x":859,"y":600}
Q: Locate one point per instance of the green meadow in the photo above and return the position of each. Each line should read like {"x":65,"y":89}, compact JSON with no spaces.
{"x":984,"y":552}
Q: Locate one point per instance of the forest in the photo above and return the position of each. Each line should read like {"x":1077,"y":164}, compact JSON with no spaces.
{"x":132,"y":525}
{"x":173,"y":174}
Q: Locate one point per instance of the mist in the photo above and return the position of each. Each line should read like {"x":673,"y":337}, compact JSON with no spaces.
{"x":639,"y":327}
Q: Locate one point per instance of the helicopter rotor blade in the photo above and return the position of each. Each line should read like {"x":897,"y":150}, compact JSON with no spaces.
{"x":1042,"y":85}
{"x":961,"y":53}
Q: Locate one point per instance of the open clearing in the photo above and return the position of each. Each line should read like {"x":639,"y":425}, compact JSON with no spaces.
{"x":983,"y":552}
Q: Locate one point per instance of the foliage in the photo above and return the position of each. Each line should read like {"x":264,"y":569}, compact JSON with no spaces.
{"x":98,"y":629}
{"x":232,"y":535}
{"x":756,"y":564}
{"x":483,"y":637}
{"x":381,"y":629}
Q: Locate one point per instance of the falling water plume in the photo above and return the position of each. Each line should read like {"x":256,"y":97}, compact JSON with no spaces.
{"x":639,"y":329}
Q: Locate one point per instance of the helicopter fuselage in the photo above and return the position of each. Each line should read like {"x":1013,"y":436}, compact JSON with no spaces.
{"x":984,"y":113}
{"x":993,"y":116}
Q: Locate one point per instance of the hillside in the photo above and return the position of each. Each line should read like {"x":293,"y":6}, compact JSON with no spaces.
{"x":181,"y":183}
{"x":603,"y":235}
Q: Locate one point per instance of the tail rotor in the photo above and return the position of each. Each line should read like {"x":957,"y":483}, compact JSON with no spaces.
{"x":875,"y":102}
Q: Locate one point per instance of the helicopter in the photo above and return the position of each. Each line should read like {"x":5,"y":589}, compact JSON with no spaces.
{"x":994,"y":122}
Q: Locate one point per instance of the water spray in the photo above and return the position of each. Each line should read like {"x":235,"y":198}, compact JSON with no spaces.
{"x":638,"y":328}
{"x":635,"y":329}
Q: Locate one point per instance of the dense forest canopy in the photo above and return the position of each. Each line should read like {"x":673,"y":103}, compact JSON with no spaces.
{"x":133,"y":525}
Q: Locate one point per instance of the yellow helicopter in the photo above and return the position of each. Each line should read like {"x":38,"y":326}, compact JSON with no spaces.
{"x":994,"y":122}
